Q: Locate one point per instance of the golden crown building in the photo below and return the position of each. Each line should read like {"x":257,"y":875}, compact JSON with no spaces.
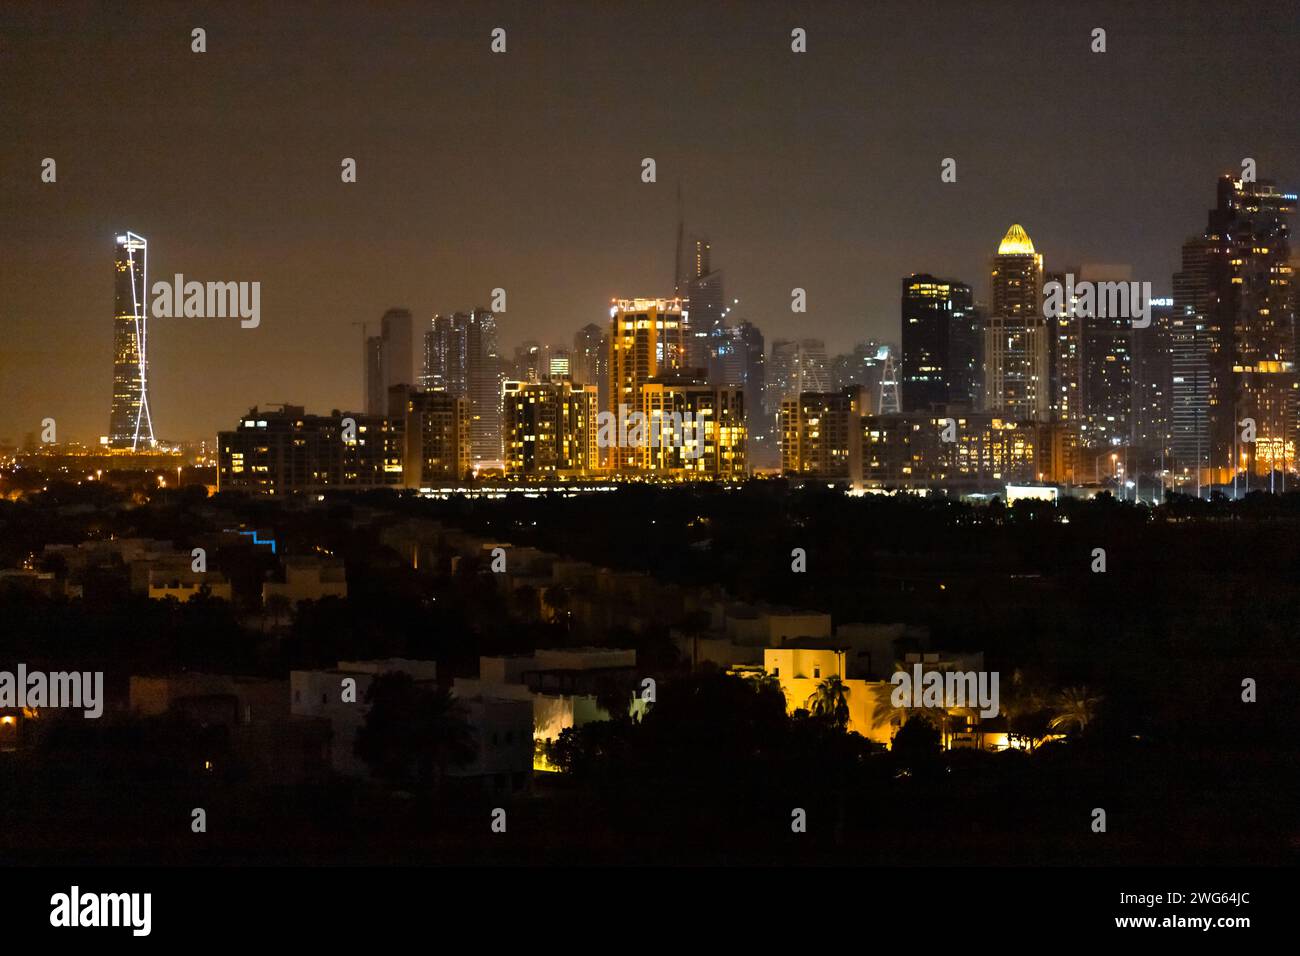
{"x":1017,"y":382}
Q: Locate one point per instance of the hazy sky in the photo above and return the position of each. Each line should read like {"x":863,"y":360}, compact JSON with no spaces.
{"x":522,"y":170}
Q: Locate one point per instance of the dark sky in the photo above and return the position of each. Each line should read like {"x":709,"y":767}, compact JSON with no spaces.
{"x":523,"y":170}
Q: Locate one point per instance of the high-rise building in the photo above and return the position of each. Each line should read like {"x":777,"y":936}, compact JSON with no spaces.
{"x":1195,"y":370}
{"x":700,"y":285}
{"x":435,"y":435}
{"x":376,"y":391}
{"x":589,"y":358}
{"x":388,"y":359}
{"x":1108,"y":382}
{"x":1016,"y":368}
{"x":932,"y":311}
{"x":1152,"y":382}
{"x":647,"y":338}
{"x":529,"y":363}
{"x":287,"y":451}
{"x":1233,"y":337}
{"x":966,"y":357}
{"x":987,"y":451}
{"x":559,"y":362}
{"x":694,"y":431}
{"x":550,"y":429}
{"x":463,"y":359}
{"x":862,"y":366}
{"x":397,"y":329}
{"x":1105,"y":417}
{"x":439,"y":356}
{"x":736,"y":358}
{"x":1065,"y":355}
{"x":794,"y":367}
{"x":131,"y":421}
{"x":821,"y":434}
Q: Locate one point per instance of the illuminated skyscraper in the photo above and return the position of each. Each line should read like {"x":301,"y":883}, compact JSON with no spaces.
{"x":131,"y":424}
{"x":647,"y":338}
{"x":1152,"y":378}
{"x":1016,"y":367}
{"x":550,"y":429}
{"x":461,"y":357}
{"x":705,"y":300}
{"x":1106,"y":365}
{"x":1233,"y":337}
{"x":932,"y":310}
{"x":1065,"y":355}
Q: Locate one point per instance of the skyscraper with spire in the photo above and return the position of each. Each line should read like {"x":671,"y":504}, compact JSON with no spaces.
{"x":699,"y":285}
{"x":131,"y":422}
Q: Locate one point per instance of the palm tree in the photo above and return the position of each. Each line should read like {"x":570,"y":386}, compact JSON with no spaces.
{"x":886,"y":711}
{"x":1025,"y":706}
{"x":831,"y":701}
{"x":1076,"y":707}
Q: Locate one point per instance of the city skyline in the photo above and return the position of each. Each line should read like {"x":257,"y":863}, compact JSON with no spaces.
{"x":409,"y":234}
{"x":483,"y":436}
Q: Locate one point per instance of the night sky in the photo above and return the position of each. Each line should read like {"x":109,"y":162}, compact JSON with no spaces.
{"x":522,"y":170}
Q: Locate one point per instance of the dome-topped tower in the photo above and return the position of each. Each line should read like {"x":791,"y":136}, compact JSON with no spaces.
{"x":1016,"y":242}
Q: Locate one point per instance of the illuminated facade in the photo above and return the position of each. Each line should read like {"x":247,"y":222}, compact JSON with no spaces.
{"x":986,"y":451}
{"x":1256,"y":298}
{"x":1017,"y":379}
{"x":821,"y":434}
{"x":647,"y":338}
{"x":694,"y":431}
{"x":131,"y":423}
{"x":933,"y":311}
{"x":550,"y":429}
{"x":1152,"y":380}
{"x":286,"y":451}
{"x":435,"y":435}
{"x":1233,"y":338}
{"x":461,"y":357}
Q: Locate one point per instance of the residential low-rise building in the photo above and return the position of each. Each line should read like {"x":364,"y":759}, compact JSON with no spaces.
{"x":308,"y":578}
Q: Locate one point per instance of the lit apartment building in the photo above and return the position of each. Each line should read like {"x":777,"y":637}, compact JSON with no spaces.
{"x":436,"y":435}
{"x":286,"y":451}
{"x":693,"y":431}
{"x":985,"y":453}
{"x":647,"y":338}
{"x":821,"y":434}
{"x":550,"y":429}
